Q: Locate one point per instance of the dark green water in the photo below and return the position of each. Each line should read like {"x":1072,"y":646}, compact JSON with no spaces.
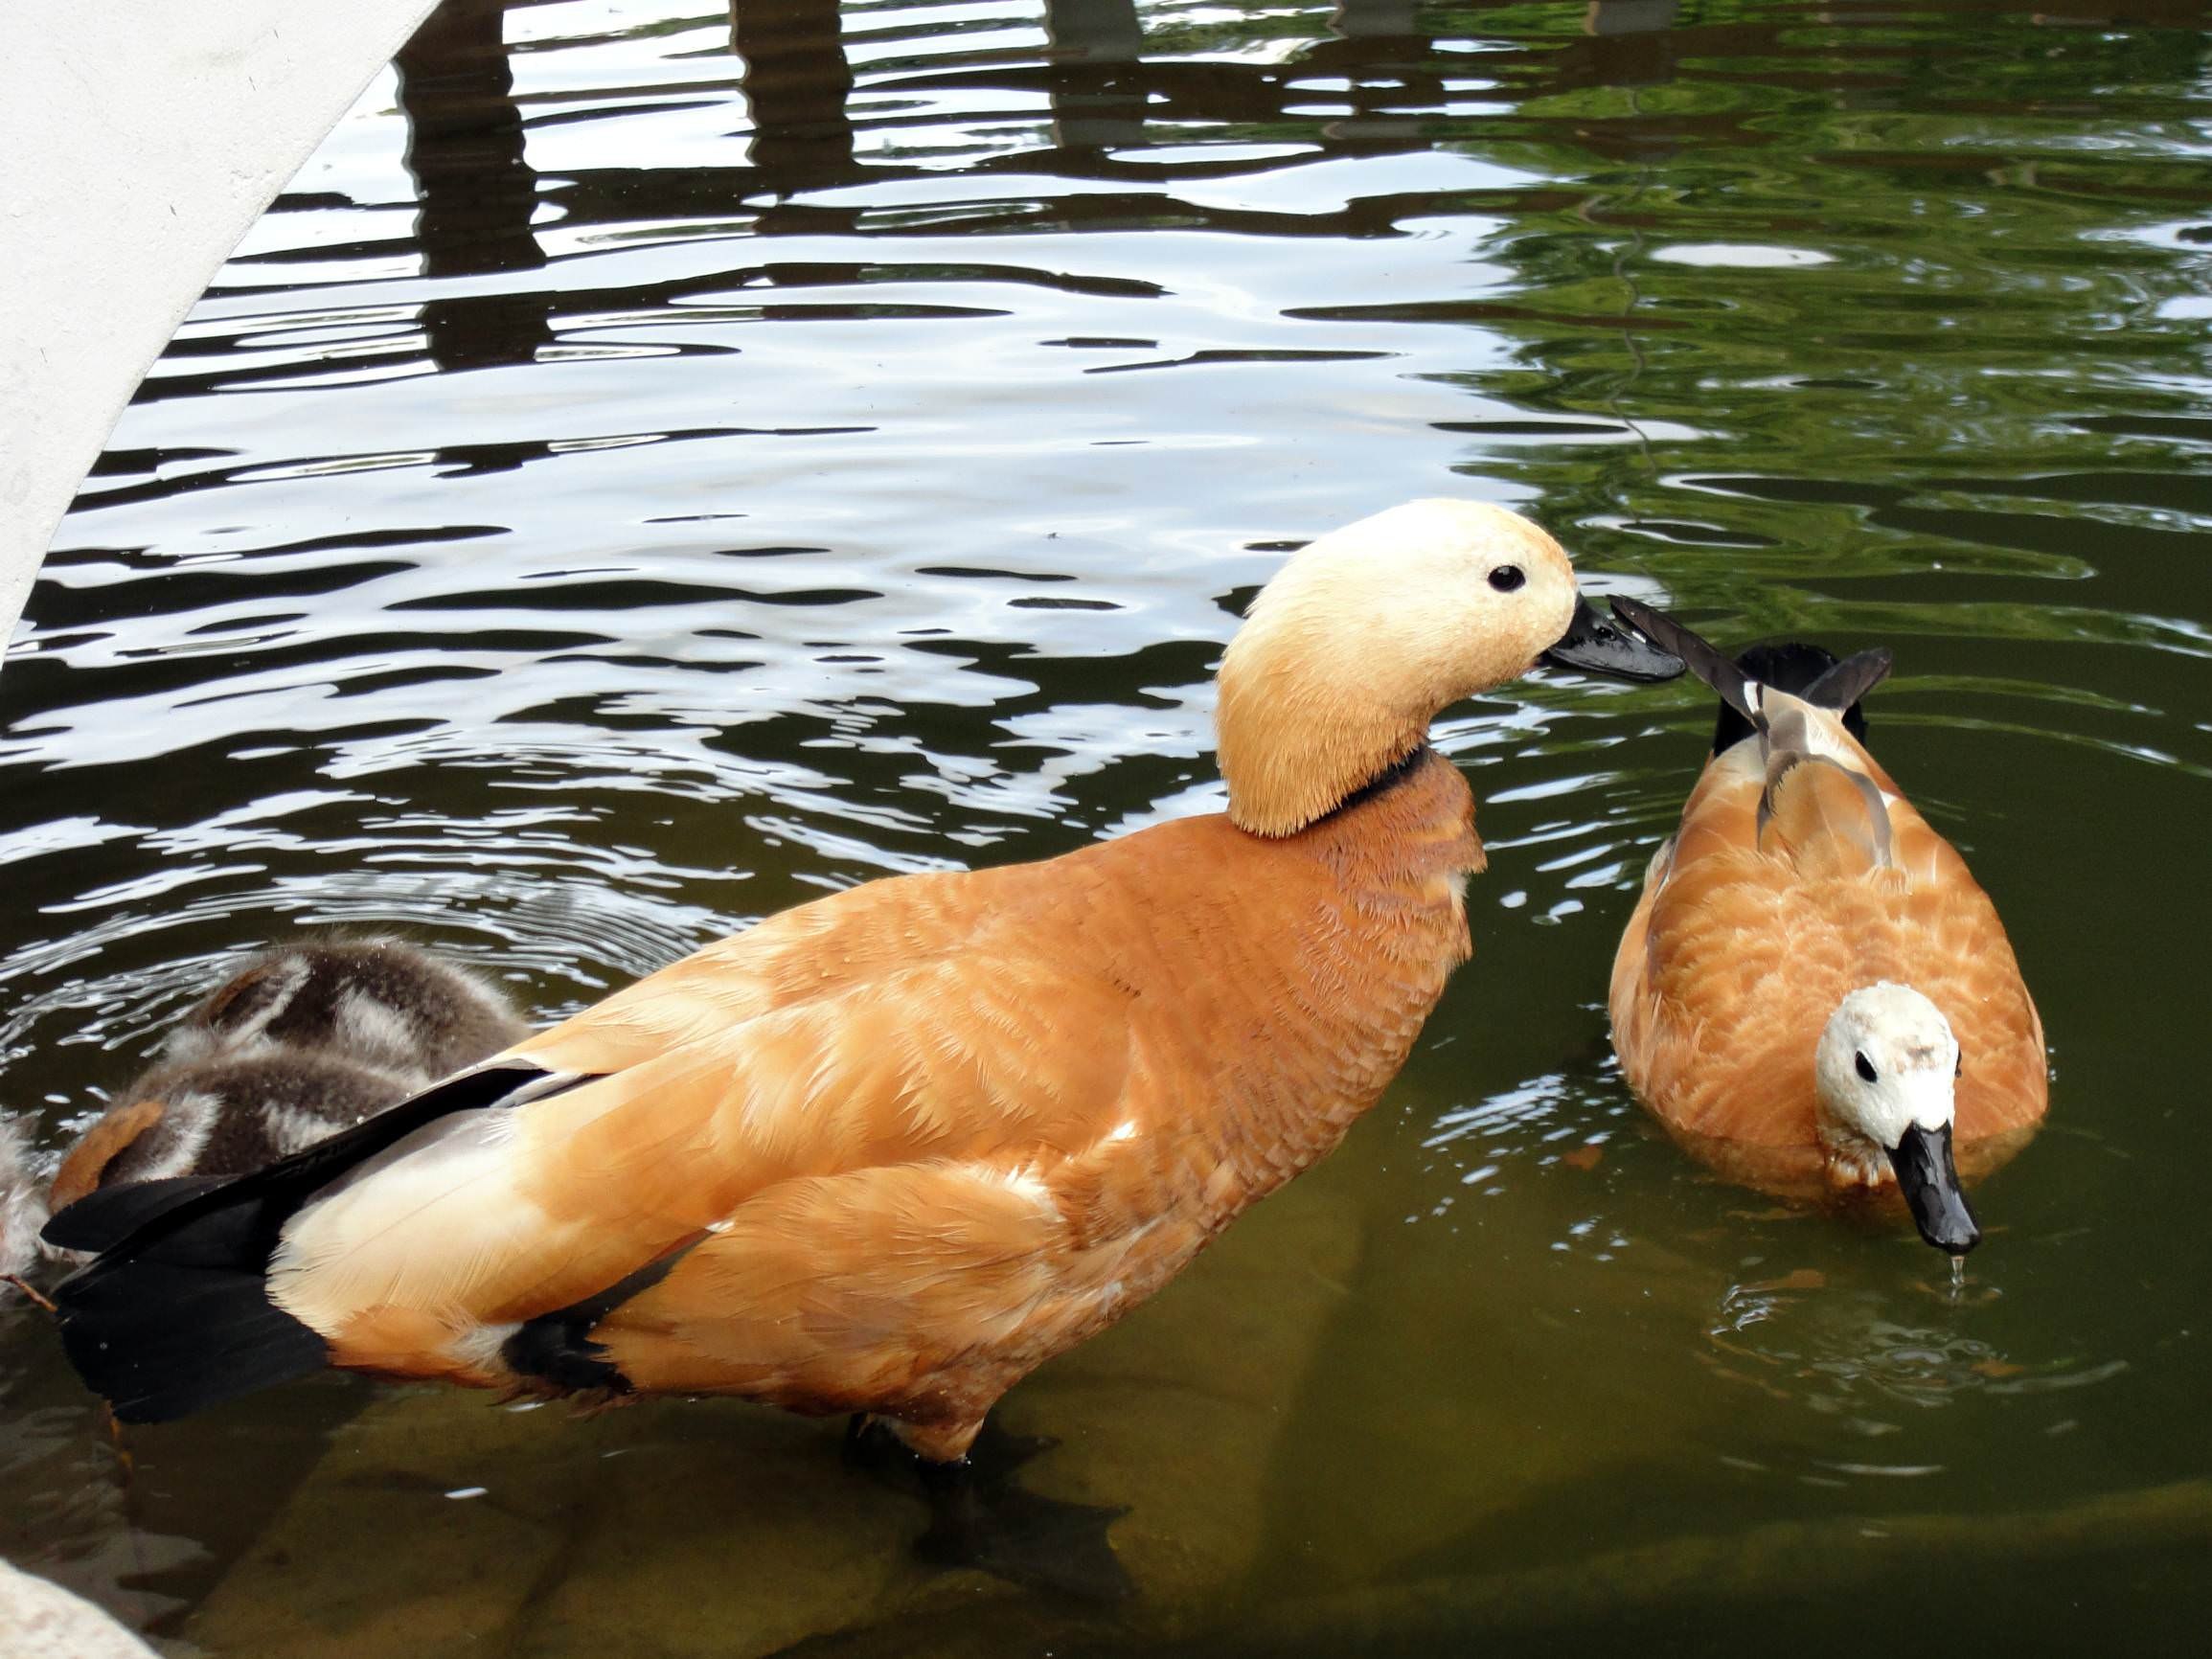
{"x":627,"y":487}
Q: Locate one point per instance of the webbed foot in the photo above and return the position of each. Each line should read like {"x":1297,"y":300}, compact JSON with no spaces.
{"x":1019,"y":1535}
{"x":980,"y":1518}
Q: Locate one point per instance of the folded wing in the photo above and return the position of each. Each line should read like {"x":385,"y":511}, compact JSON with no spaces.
{"x":973,"y":1059}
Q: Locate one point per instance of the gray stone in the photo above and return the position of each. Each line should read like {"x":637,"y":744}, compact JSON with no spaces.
{"x":43,"y":1621}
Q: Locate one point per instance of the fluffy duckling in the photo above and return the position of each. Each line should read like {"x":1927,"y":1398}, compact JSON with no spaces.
{"x":1813,"y":995}
{"x":379,"y":1002}
{"x":303,"y":1042}
{"x":890,"y":1150}
{"x":22,"y":1206}
{"x":224,"y":1116}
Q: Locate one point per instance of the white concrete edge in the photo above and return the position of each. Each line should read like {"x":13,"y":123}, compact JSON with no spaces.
{"x":40,"y":1620}
{"x":138,"y":141}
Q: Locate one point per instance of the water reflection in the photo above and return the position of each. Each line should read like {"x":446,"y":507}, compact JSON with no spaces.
{"x":1850,"y":1351}
{"x":1098,"y":94}
{"x":796,"y":82}
{"x":464,"y":152}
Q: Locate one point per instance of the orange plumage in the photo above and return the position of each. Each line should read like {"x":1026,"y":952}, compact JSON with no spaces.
{"x":1798,"y":874}
{"x":890,"y":1150}
{"x":942,"y":1165}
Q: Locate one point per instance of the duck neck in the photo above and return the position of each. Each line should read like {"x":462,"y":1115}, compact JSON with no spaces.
{"x":1401,"y":846}
{"x":1367,"y":968}
{"x":1850,"y":1157}
{"x":1296,"y":743}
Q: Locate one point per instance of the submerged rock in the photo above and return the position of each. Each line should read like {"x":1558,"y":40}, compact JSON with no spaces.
{"x":674,"y":1527}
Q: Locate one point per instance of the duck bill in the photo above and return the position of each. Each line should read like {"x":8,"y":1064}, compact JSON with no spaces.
{"x":1595,"y":645}
{"x":1928,"y":1179}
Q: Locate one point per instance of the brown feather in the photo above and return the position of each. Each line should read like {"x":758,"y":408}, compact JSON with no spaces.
{"x":1823,"y":819}
{"x":98,"y":1147}
{"x":1746,"y":936}
{"x":938,"y":1128}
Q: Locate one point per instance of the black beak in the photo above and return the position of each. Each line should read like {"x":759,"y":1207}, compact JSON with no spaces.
{"x":1593,"y":645}
{"x":1930,"y":1181}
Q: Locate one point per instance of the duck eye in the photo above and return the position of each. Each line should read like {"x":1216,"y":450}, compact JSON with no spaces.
{"x":1865,"y":1066}
{"x":1507,"y":578}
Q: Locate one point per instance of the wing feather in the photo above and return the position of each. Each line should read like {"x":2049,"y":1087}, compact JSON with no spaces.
{"x":1823,"y":818}
{"x":970,"y":1057}
{"x":1798,"y":874}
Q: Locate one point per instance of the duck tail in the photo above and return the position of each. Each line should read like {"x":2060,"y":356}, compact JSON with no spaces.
{"x":1704,"y":659}
{"x":174,"y":1315}
{"x":1812,"y":674}
{"x":1803,"y":669}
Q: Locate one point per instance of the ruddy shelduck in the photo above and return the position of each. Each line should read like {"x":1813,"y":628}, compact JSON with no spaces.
{"x":1813,"y":995}
{"x":888,"y":1151}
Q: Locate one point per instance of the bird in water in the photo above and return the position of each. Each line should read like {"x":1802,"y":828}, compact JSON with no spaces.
{"x":886,"y":1152}
{"x":302,"y":1041}
{"x":1813,"y":995}
{"x":379,"y":1002}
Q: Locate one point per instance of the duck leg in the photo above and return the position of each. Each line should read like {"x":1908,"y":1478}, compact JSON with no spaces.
{"x":979,"y":1520}
{"x":980,"y":1517}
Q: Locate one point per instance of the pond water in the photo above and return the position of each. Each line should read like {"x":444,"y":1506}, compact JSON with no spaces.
{"x":645,"y":473}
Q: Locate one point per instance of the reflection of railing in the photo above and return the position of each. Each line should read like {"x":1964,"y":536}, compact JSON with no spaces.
{"x":1100,"y":89}
{"x":1105,"y":96}
{"x":1098,"y":103}
{"x":796,"y":80}
{"x":477,"y":193}
{"x":1103,"y":93}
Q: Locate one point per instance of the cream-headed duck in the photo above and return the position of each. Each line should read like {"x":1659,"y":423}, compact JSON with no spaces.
{"x":888,"y":1151}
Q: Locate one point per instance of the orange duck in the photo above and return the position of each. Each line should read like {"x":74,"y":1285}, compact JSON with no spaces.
{"x":1813,"y":995}
{"x":887,"y":1153}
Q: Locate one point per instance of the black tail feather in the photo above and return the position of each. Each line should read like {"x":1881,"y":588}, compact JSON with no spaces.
{"x":1842,"y":686}
{"x":106,"y":1216}
{"x":1810,"y":672}
{"x":161,"y":1339}
{"x":174,"y":1315}
{"x":1704,"y":659}
{"x":1794,"y":665}
{"x":168,"y":1207}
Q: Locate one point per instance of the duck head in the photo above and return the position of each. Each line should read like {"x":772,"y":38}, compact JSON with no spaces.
{"x":1883,"y":1074}
{"x":1366,"y":634}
